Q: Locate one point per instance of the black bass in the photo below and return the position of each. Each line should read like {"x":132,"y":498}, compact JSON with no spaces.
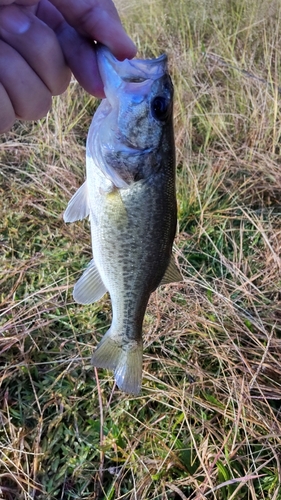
{"x":130,"y":196}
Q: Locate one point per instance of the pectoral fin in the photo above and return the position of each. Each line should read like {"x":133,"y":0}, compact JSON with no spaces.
{"x":172,"y":273}
{"x":89,"y":288}
{"x":78,"y":206}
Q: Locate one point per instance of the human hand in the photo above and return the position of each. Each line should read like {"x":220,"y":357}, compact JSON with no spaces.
{"x":41,"y":39}
{"x":32,"y":65}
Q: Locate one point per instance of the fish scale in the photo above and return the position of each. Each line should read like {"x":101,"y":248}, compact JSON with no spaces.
{"x":130,"y":196}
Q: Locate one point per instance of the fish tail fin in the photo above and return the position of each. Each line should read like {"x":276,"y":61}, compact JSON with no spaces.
{"x":124,"y":359}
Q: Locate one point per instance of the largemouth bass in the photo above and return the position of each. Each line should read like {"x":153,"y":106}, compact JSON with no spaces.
{"x":129,"y":194}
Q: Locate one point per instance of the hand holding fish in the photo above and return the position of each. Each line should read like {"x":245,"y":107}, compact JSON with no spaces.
{"x":42,"y":41}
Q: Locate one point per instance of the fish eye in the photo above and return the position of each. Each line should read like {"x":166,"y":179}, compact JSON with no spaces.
{"x":160,"y":108}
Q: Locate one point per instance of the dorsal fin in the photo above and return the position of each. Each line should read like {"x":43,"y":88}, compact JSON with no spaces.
{"x":172,"y":274}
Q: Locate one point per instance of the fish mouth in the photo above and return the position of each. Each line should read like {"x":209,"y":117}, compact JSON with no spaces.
{"x":131,"y":71}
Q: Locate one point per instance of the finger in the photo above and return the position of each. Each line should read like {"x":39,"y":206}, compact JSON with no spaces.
{"x":99,"y":20}
{"x":37,"y":44}
{"x":30,"y":98}
{"x":8,"y":116}
{"x":78,"y":50}
{"x":81,"y":58}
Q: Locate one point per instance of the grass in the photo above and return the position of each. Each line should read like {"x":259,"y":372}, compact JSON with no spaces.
{"x":207,"y":424}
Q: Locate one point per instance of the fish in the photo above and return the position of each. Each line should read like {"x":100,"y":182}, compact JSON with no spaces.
{"x":130,"y":198}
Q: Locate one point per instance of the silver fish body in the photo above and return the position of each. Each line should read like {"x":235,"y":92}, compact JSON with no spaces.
{"x":130,"y":197}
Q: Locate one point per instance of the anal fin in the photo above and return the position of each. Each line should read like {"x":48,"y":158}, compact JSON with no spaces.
{"x":89,"y":288}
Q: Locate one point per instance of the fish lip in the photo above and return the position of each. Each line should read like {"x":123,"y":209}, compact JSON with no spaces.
{"x":102,"y":49}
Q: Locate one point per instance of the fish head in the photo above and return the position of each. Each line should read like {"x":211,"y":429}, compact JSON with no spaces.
{"x":134,"y":120}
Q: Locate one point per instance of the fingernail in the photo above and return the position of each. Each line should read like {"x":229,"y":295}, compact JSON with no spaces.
{"x":14,"y":20}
